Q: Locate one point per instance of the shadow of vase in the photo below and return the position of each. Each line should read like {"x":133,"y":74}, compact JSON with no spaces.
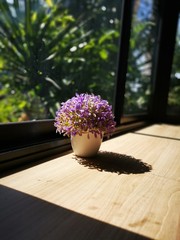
{"x":115,"y":163}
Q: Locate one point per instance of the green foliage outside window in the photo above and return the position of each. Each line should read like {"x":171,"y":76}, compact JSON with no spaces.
{"x":47,"y":55}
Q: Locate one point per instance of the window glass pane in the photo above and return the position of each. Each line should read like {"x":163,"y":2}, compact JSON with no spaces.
{"x":174,"y":93}
{"x":138,"y":83}
{"x":51,"y":49}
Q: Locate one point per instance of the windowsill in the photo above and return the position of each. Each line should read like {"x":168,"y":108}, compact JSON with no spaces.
{"x":34,"y":141}
{"x":129,"y":191}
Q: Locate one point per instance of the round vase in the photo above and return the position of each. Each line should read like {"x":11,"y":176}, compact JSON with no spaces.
{"x":86,"y":145}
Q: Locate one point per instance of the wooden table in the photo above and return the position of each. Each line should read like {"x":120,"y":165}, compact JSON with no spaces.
{"x":131,"y":190}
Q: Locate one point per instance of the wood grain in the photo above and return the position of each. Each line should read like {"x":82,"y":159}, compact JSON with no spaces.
{"x":130,"y":190}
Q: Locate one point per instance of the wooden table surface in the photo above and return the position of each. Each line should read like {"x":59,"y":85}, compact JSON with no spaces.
{"x":131,"y":190}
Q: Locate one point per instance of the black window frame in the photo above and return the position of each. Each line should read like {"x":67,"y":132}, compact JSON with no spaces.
{"x":24,"y":142}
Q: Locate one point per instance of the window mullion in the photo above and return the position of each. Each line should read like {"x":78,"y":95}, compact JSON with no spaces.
{"x":126,"y":18}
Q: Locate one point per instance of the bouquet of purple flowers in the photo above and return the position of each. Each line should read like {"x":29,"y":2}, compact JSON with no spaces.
{"x":85,"y":113}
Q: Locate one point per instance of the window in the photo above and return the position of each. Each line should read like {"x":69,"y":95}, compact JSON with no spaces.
{"x":138,"y":78}
{"x":51,"y":49}
{"x":163,"y":59}
{"x":174,"y":93}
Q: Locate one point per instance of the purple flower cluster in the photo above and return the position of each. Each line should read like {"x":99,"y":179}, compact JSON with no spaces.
{"x":85,"y":113}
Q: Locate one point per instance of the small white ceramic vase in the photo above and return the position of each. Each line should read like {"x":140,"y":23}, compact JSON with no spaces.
{"x":84,"y":146}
